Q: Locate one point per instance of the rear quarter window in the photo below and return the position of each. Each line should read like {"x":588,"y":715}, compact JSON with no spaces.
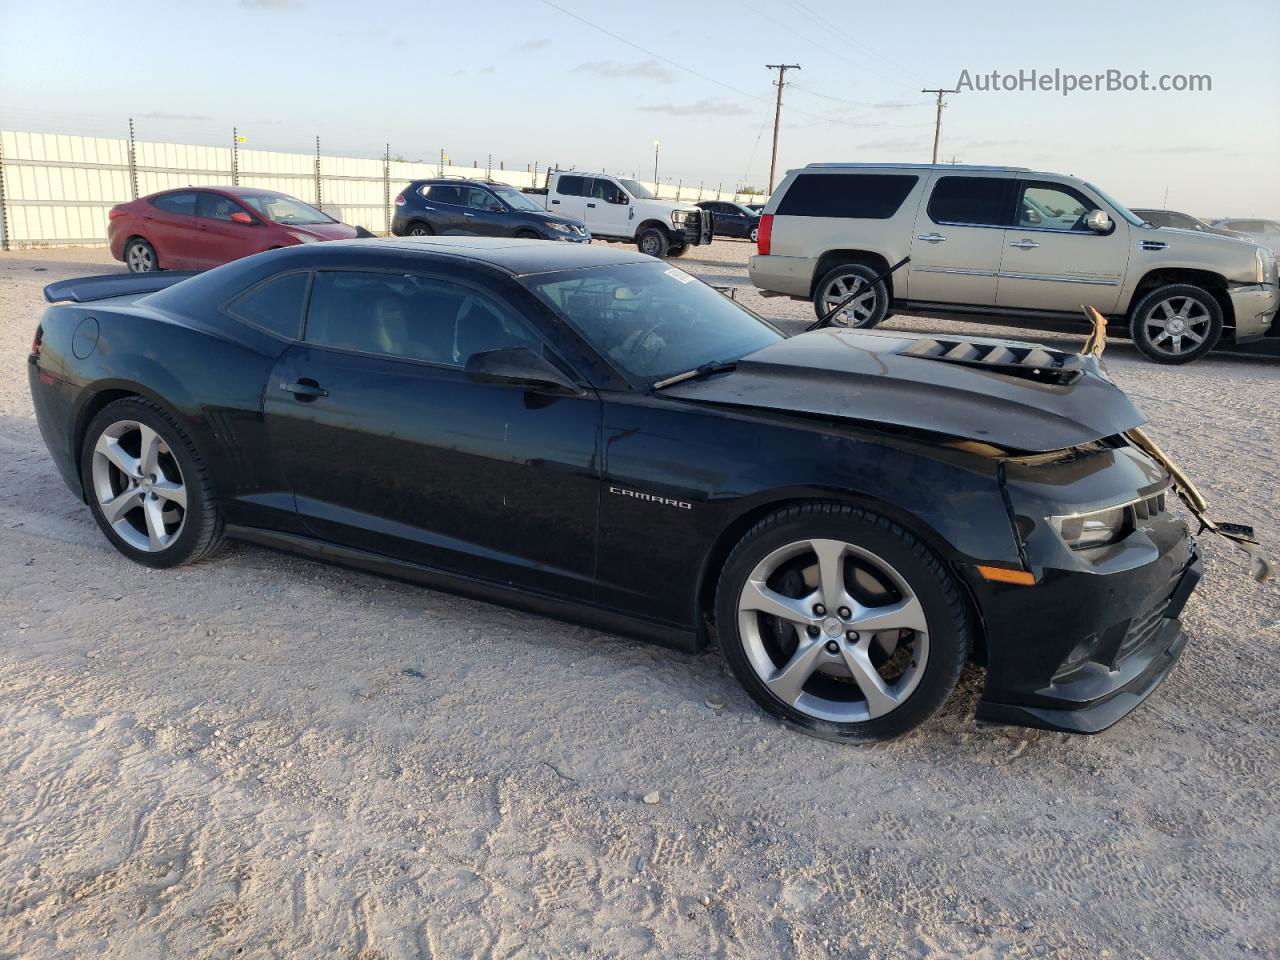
{"x":861,"y":196}
{"x":275,"y":305}
{"x":572,"y":186}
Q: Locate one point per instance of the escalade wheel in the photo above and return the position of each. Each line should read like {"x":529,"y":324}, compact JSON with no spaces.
{"x":147,"y":487}
{"x":866,"y":309}
{"x":841,"y":623}
{"x":140,"y":256}
{"x":1176,"y":323}
{"x":654,"y":242}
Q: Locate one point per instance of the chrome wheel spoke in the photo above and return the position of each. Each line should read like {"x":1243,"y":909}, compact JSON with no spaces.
{"x":788,"y":682}
{"x":880,"y":699}
{"x":110,"y":448}
{"x":757,"y":596}
{"x":154,"y":513}
{"x":150,"y":448}
{"x":175,"y":493}
{"x":830,"y":554}
{"x":905,"y":615}
{"x":115,"y":508}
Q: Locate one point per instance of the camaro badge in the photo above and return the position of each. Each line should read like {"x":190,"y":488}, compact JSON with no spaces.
{"x":651,"y":498}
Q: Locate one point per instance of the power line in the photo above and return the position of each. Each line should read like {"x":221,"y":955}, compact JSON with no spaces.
{"x":687,"y":69}
{"x":857,"y":43}
{"x":782,"y":69}
{"x":937,"y":124}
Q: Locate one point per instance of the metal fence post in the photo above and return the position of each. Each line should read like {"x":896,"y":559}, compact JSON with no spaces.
{"x":235,"y":157}
{"x":4,"y":214}
{"x":386,"y":190}
{"x":133,"y":161}
{"x":440,"y":167}
{"x":319,"y":199}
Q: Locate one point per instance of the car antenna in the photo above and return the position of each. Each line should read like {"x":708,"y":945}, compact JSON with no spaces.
{"x":826,"y":318}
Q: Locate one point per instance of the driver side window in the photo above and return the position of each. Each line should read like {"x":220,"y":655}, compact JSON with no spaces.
{"x":605,"y":190}
{"x":1048,"y":207}
{"x":478,"y":199}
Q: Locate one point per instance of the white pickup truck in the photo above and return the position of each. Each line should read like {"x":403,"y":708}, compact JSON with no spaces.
{"x":615,"y":208}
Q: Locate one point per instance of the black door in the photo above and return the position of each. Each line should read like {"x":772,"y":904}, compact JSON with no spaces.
{"x":445,"y":204}
{"x":484,"y":214}
{"x":389,"y":447}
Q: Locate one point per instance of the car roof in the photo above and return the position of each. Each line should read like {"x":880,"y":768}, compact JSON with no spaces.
{"x":221,"y":188}
{"x":515,"y":256}
{"x":960,"y":167}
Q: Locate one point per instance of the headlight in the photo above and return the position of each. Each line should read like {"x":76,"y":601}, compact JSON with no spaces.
{"x":1084,"y":531}
{"x":679,"y":216}
{"x":562,"y":227}
{"x":1266,"y":265}
{"x":304,"y":238}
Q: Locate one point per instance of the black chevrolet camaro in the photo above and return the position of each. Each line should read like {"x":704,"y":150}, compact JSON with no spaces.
{"x":598,"y":436}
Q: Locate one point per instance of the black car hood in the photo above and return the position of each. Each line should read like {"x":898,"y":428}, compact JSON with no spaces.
{"x":546,"y":216}
{"x":1009,"y":394}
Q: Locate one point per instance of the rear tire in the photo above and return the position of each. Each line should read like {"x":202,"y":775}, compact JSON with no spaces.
{"x":1176,"y":323}
{"x":754,"y":235}
{"x":420,"y":228}
{"x":653,"y":241}
{"x":828,"y":567}
{"x":140,"y":256}
{"x":862,"y":313}
{"x":147,"y":486}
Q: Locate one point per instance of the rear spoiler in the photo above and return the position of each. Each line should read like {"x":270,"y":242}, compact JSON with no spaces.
{"x":85,"y":289}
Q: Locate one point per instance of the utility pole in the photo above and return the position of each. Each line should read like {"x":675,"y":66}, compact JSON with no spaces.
{"x":782,"y":69}
{"x":937,"y":124}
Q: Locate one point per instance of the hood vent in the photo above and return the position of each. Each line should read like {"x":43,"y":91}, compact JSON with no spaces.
{"x":1024,"y":361}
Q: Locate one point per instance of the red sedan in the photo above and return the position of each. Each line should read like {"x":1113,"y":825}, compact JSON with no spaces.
{"x":194,"y":228}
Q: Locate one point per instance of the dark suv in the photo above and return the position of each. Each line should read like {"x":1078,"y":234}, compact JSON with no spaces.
{"x":477,"y":208}
{"x":732,"y":219}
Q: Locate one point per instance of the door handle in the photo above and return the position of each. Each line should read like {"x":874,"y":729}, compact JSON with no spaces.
{"x":592,"y":205}
{"x":931,"y":237}
{"x":305,"y":389}
{"x":557,"y":202}
{"x":1024,"y":244}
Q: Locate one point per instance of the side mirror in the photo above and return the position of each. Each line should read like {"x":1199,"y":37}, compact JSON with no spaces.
{"x":241,"y":217}
{"x":1098,"y":221}
{"x":621,"y":198}
{"x":518,"y":367}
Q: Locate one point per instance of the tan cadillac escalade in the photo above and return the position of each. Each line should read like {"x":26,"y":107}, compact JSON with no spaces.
{"x":1009,"y":244}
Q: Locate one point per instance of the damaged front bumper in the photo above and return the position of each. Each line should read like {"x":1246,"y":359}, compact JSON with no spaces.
{"x":1099,"y":629}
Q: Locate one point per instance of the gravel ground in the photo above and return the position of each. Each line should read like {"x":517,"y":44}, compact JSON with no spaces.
{"x":264,"y":756}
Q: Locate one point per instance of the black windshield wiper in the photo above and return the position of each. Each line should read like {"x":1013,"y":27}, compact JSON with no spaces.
{"x":715,"y":366}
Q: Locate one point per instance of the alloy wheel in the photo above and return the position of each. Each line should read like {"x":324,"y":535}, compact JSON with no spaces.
{"x":833,"y":631}
{"x":139,"y":486}
{"x":419,"y":231}
{"x":857,"y":311}
{"x":1177,"y":326}
{"x":140,"y":258}
{"x":649,"y":244}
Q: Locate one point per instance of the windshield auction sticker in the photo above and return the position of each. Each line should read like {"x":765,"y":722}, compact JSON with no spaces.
{"x":679,"y":275}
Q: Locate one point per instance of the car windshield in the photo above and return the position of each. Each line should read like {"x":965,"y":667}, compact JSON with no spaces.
{"x":517,"y":200}
{"x":637,"y":189}
{"x":652,"y":320}
{"x":1118,"y":207}
{"x":279,"y":208}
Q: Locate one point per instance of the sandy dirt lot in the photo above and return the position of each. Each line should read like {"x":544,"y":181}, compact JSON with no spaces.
{"x":262,"y":756}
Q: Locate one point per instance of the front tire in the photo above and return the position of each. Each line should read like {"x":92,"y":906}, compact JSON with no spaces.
{"x":1176,"y":323}
{"x":841,"y":623}
{"x":654,"y":241}
{"x":679,"y":251}
{"x":869,"y":306}
{"x":147,"y":486}
{"x":140,"y":256}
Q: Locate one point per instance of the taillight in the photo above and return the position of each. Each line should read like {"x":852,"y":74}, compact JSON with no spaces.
{"x":36,"y":341}
{"x":765,"y":235}
{"x":399,"y":199}
{"x":115,"y":213}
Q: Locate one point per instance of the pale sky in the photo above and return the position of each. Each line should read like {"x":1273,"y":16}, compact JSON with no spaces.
{"x":526,"y":81}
